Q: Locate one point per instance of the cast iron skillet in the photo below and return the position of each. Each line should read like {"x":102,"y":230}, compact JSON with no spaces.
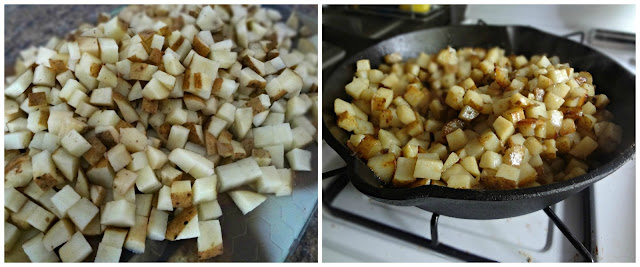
{"x":609,"y":77}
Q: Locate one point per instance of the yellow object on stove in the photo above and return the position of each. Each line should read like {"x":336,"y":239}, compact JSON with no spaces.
{"x":416,"y":8}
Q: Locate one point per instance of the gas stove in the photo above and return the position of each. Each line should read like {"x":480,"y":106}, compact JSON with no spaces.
{"x":598,"y":222}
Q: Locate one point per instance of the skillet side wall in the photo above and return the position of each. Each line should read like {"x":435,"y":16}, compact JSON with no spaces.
{"x":609,"y":78}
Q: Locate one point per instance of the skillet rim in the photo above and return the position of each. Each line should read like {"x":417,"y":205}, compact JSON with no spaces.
{"x":400,"y":195}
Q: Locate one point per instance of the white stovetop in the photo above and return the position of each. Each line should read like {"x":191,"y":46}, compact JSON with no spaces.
{"x":529,"y":237}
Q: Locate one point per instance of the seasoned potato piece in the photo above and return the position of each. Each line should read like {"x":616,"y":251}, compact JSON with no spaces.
{"x":384,"y":166}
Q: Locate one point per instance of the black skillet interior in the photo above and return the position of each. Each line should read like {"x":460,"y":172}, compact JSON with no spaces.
{"x":609,"y":77}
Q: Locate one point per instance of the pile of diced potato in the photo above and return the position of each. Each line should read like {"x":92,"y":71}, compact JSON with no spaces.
{"x":476,"y":119}
{"x":130,"y":129}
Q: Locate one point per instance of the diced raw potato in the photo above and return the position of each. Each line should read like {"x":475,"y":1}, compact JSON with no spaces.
{"x":143,"y":204}
{"x":133,"y":139}
{"x":13,"y":199}
{"x":40,"y":218}
{"x":204,"y":189}
{"x":181,"y":195}
{"x":135,"y":241}
{"x":35,"y":250}
{"x":239,"y":173}
{"x":65,"y":199}
{"x":58,"y":234}
{"x":114,"y":237}
{"x":107,"y":253}
{"x":11,"y":235}
{"x":184,"y":225}
{"x":121,"y":213}
{"x":157,"y":226}
{"x":299,"y":160}
{"x":164,"y":199}
{"x":124,"y":180}
{"x":246,"y":201}
{"x":210,"y":240}
{"x":146,"y":181}
{"x":75,"y":144}
{"x":76,"y":249}
{"x":118,"y":157}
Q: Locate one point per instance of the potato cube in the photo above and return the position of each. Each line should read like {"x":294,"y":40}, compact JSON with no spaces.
{"x":181,"y":195}
{"x":383,"y":166}
{"x":133,"y":139}
{"x":246,"y":201}
{"x":157,"y":226}
{"x":490,"y":141}
{"x":584,"y":148}
{"x":381,"y":99}
{"x":118,"y":157}
{"x":428,"y":168}
{"x":406,"y":114}
{"x":58,"y":234}
{"x":455,"y":97}
{"x":506,"y":171}
{"x":40,"y":218}
{"x":404,"y":171}
{"x":65,"y":199}
{"x":135,"y":241}
{"x":124,"y":180}
{"x":204,"y":189}
{"x":184,"y":225}
{"x":456,"y":140}
{"x":11,"y":234}
{"x":471,"y":165}
{"x":75,"y":143}
{"x":169,"y":174}
{"x":13,"y":199}
{"x":122,"y":213}
{"x":464,"y":181}
{"x":147,"y":182}
{"x":503,"y":128}
{"x":156,"y":158}
{"x":299,"y":160}
{"x":355,"y":88}
{"x":490,"y":160}
{"x":164,"y":199}
{"x":35,"y":250}
{"x":114,"y":237}
{"x":210,"y":241}
{"x":209,"y":210}
{"x":107,"y":253}
{"x":76,"y":249}
{"x":527,"y":175}
{"x":143,"y":204}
